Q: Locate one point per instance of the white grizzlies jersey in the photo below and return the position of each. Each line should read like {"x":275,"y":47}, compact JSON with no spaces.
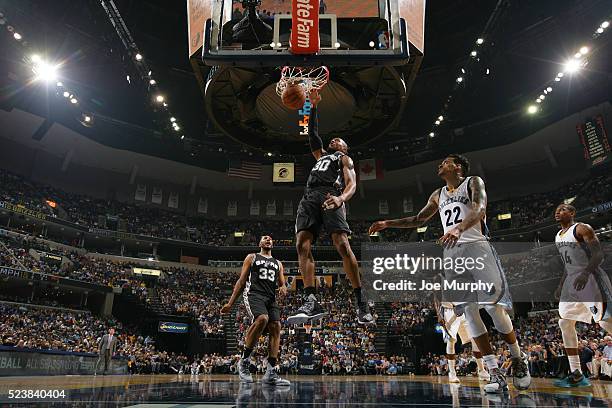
{"x":454,"y":206}
{"x":575,"y":254}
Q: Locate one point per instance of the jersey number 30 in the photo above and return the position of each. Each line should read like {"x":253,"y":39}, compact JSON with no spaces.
{"x":449,"y":215}
{"x":322,"y":165}
{"x":268,"y":274}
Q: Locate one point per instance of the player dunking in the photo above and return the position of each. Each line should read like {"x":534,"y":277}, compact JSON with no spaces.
{"x":585,"y":289}
{"x":260,"y":277}
{"x":331,"y":183}
{"x":462,"y":205}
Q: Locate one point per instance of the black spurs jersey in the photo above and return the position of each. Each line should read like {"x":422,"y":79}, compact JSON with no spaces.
{"x":263,"y":276}
{"x":327,"y":172}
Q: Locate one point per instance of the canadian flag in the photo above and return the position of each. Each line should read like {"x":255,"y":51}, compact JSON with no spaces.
{"x":370,"y":169}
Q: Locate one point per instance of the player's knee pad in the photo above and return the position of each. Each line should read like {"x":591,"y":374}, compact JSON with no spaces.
{"x":568,"y":332}
{"x":606,"y":325}
{"x":501,"y":319}
{"x":475,"y":325}
{"x":450,"y":346}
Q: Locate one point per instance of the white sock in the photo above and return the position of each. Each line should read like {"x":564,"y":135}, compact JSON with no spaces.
{"x":574,"y":363}
{"x":491,"y":361}
{"x":515,"y":350}
{"x":479,"y":364}
{"x":451,"y":366}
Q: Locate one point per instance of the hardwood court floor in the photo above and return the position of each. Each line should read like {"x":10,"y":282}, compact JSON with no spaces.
{"x":305,"y":391}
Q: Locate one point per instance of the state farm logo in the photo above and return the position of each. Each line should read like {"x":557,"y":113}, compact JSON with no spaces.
{"x":305,"y":22}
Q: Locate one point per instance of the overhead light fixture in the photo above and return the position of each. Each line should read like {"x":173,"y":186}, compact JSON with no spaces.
{"x":173,"y":119}
{"x":538,"y":100}
{"x":66,"y":94}
{"x":474,"y":53}
{"x":605,"y":24}
{"x":572,"y":65}
{"x":463,"y":70}
{"x":549,"y":89}
{"x":182,"y":137}
{"x":584,"y":50}
{"x":269,"y":154}
{"x":371,"y":44}
{"x":460,"y":79}
{"x":165,"y":105}
{"x":480,"y":41}
{"x":152,"y":82}
{"x":177,"y":128}
{"x":159,"y":98}
{"x":560,"y":75}
{"x":488,"y":71}
{"x":87,"y":118}
{"x":542,"y":97}
{"x":73,"y":100}
{"x":35,"y":58}
{"x":532,"y":109}
{"x":437,"y":122}
{"x":431,"y":134}
{"x":45,"y":71}
{"x":440,"y":118}
{"x":17,"y":36}
{"x":138,"y":57}
{"x":557,"y":79}
{"x":150,"y":72}
{"x":59,"y":84}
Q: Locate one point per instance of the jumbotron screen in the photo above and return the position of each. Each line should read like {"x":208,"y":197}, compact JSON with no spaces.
{"x":343,"y":8}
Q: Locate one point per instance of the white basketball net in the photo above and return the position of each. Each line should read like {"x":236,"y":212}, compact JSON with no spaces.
{"x":309,"y":78}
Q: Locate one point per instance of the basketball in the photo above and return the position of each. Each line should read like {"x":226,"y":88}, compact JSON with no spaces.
{"x":293,"y":96}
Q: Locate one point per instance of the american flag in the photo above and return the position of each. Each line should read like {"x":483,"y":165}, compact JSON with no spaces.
{"x":244,"y":169}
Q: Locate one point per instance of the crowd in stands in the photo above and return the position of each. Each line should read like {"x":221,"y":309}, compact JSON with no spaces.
{"x":140,"y":219}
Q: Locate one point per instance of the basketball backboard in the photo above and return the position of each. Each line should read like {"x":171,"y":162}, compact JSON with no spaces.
{"x":348,"y":33}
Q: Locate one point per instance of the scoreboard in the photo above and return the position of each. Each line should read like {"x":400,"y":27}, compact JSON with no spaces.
{"x":594,"y":139}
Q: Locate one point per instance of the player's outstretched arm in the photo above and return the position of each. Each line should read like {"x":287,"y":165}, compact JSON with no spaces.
{"x":410,"y":222}
{"x":240,"y":283}
{"x":316,"y":144}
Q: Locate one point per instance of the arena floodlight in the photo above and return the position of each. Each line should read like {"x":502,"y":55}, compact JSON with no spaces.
{"x":600,"y":30}
{"x":573,"y":65}
{"x":66,"y":94}
{"x":138,"y":57}
{"x":459,"y":79}
{"x":269,"y":154}
{"x":159,"y":98}
{"x":538,"y":100}
{"x":437,"y":122}
{"x":152,"y":82}
{"x":172,"y":119}
{"x":549,"y":89}
{"x":605,"y":25}
{"x":542,"y":97}
{"x":584,"y":50}
{"x":480,"y":41}
{"x":440,"y":118}
{"x":35,"y":58}
{"x":474,"y":53}
{"x":17,"y":36}
{"x":532,"y":109}
{"x":182,"y":137}
{"x":74,"y":100}
{"x":431,"y":134}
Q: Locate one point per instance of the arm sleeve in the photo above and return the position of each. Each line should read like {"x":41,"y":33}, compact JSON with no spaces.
{"x":313,"y":131}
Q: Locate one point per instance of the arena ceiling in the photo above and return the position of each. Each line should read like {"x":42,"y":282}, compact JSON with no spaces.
{"x":528,"y":42}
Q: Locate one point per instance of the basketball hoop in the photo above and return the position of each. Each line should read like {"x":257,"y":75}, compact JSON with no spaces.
{"x":309,"y":78}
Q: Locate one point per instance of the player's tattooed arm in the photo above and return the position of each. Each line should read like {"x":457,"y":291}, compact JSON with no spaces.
{"x":586,"y":234}
{"x":410,"y":222}
{"x":240,"y":283}
{"x":479,"y":204}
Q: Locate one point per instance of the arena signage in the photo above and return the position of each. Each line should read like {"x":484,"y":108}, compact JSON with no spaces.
{"x":172,"y":327}
{"x":40,"y":363}
{"x":22,"y":210}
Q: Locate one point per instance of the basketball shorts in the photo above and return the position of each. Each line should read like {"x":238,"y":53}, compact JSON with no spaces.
{"x":311,"y":216}
{"x":258,"y":304}
{"x":455,"y":325}
{"x":475,"y":275}
{"x":589,"y":304}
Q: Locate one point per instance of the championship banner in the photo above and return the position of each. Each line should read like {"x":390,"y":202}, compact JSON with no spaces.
{"x":305,"y":28}
{"x":173,"y":200}
{"x":383,"y":207}
{"x":287,"y":207}
{"x":283,"y":173}
{"x":141,"y":192}
{"x":594,"y":139}
{"x":254,"y":207}
{"x":271,"y":207}
{"x":203,"y":205}
{"x":232,"y":208}
{"x":156,"y":197}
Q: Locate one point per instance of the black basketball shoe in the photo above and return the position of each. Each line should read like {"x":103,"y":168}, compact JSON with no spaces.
{"x":310,"y":310}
